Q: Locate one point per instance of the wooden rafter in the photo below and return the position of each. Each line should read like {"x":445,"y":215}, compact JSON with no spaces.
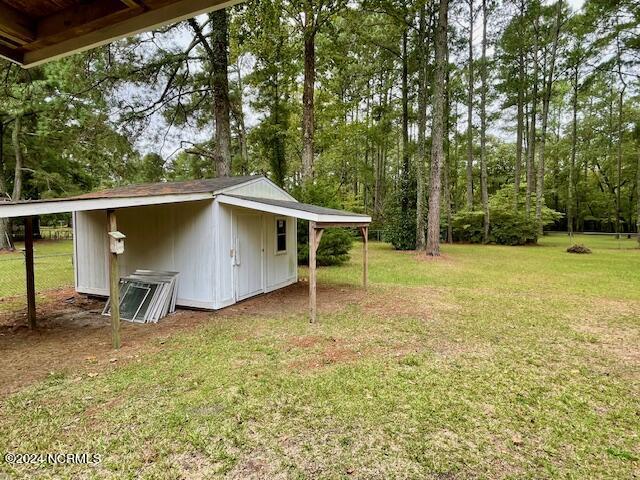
{"x":16,"y":27}
{"x":74,"y":25}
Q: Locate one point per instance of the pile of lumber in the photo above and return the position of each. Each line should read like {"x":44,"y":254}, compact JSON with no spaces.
{"x":146,"y":296}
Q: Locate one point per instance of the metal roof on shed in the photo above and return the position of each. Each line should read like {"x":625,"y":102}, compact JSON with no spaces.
{"x":211,"y":185}
{"x":303,"y":207}
{"x":177,"y":192}
{"x":304,"y":211}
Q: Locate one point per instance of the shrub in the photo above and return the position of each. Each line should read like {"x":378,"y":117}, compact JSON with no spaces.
{"x":336,"y":242}
{"x":467,"y":226}
{"x":508,"y":226}
{"x":333,"y":249}
{"x":578,"y":248}
{"x":400,"y":228}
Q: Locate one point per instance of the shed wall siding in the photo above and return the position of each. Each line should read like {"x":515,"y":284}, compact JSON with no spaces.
{"x":224,"y":260}
{"x":260,"y":188}
{"x":91,"y":245}
{"x":279,"y":269}
{"x":177,"y":237}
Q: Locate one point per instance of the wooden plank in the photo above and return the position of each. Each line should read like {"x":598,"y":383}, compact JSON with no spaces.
{"x":153,"y":18}
{"x":7,"y":52}
{"x":365,"y":255}
{"x":80,"y":19}
{"x":28,"y":259}
{"x":114,"y":283}
{"x":15,"y":25}
{"x":314,"y":240}
{"x":134,"y":3}
{"x":342,"y":224}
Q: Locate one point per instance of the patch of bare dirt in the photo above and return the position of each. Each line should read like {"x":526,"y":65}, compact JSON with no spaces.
{"x":613,"y":325}
{"x":256,"y":465}
{"x":388,"y":339}
{"x":414,"y":302}
{"x":621,"y":341}
{"x":422,"y":257}
{"x":309,"y":341}
{"x":294,"y":300}
{"x":192,"y":465}
{"x":73,"y":337}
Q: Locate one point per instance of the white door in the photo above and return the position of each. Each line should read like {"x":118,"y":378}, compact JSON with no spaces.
{"x":248,"y":255}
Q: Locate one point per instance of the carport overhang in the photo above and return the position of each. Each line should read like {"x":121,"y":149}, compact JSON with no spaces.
{"x":33,"y":32}
{"x":319,"y":218}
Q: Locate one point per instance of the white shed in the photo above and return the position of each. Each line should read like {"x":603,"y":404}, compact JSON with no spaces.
{"x":229,"y":238}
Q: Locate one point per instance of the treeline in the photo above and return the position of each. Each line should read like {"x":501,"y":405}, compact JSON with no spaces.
{"x":540,"y":112}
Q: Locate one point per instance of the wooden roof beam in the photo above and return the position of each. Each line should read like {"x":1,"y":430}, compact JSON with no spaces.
{"x":16,"y":26}
{"x":98,"y":35}
{"x":83,"y":17}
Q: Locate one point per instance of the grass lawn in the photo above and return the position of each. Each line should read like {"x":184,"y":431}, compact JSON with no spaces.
{"x":490,"y":362}
{"x":53,"y":266}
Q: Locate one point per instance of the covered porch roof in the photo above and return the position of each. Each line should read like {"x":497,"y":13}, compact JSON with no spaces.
{"x":35,"y":31}
{"x":305,"y":211}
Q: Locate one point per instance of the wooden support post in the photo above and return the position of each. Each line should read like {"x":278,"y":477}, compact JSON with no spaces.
{"x":315,"y":234}
{"x":365,"y":255}
{"x":114,"y":282}
{"x":28,"y":260}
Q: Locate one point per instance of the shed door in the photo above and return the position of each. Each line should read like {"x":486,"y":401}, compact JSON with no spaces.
{"x":249,"y":251}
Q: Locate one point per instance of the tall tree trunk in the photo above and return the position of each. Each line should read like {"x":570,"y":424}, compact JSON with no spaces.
{"x":308,"y":92}
{"x":422,"y":126}
{"x":620,"y":131}
{"x":619,"y":159}
{"x":220,"y":84}
{"x":546,"y":100}
{"x":532,"y":134}
{"x":484,"y":189}
{"x":574,"y":143}
{"x":638,"y":196}
{"x":242,"y":131}
{"x":437,"y":132}
{"x":519,"y":132}
{"x":278,"y":153}
{"x":5,"y":226}
{"x":447,"y":162}
{"x":470,"y":114}
{"x":405,"y":171}
{"x":17,"y":178}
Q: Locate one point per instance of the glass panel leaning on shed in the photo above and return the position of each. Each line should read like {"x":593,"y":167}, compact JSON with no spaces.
{"x":146,"y":296}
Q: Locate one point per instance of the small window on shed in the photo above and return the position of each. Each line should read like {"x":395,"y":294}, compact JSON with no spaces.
{"x":281,"y":235}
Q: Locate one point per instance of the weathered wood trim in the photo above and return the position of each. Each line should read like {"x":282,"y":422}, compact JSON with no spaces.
{"x":365,"y":255}
{"x":30,"y":276}
{"x":114,"y":283}
{"x":15,"y":26}
{"x":9,"y":54}
{"x":148,"y":20}
{"x":315,"y":235}
{"x":81,"y":19}
{"x":343,"y":224}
